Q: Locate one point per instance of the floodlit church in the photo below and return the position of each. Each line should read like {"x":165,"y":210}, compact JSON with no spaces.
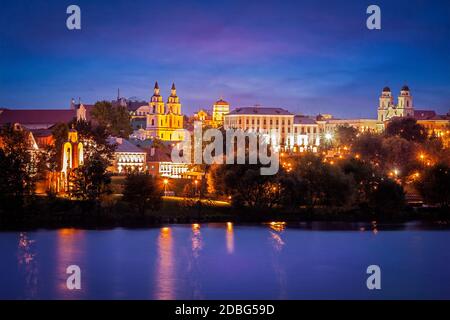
{"x":387,"y":109}
{"x":162,"y":120}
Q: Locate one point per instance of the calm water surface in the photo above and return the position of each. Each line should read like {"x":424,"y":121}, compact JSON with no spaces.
{"x":227,"y":261}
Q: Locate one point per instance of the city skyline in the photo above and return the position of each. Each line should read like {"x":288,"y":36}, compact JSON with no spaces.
{"x":304,"y":57}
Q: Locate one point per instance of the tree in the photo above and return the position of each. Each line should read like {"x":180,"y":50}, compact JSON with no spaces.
{"x":406,"y":128}
{"x":246,"y":186}
{"x":369,"y":147}
{"x":387,"y":197}
{"x":142,"y":192}
{"x":91,"y":179}
{"x":345,"y":135}
{"x":434,"y":186}
{"x":317,"y":183}
{"x":365,"y":178}
{"x":399,"y":154}
{"x":115,"y":119}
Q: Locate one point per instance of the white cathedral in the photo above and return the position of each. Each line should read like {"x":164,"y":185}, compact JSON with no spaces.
{"x":387,"y":109}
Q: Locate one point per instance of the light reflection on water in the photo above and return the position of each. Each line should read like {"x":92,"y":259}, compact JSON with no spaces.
{"x":214,"y":261}
{"x":27,"y":265}
{"x":165,"y":282}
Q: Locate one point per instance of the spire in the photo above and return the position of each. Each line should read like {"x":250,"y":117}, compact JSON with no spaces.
{"x":173,"y":91}
{"x":118,"y":94}
{"x":156,"y":89}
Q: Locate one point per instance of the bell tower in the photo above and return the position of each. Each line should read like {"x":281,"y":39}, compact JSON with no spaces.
{"x":405,"y":104}
{"x":173,"y":102}
{"x":156,"y":101}
{"x":386,"y":102}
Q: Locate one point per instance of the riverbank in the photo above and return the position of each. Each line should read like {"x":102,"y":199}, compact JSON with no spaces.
{"x":43,"y":212}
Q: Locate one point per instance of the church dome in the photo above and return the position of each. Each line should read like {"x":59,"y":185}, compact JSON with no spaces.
{"x":386,"y":89}
{"x":405,"y":88}
{"x":222,"y":102}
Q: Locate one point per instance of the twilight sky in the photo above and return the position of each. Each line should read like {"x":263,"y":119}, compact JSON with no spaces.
{"x":307,"y":56}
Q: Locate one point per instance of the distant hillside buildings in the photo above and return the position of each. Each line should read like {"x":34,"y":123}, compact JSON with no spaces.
{"x":164,"y":122}
{"x":300,"y":133}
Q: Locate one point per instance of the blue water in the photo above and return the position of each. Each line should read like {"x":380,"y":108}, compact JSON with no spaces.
{"x":226,"y":261}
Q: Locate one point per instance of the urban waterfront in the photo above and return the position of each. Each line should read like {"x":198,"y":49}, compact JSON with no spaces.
{"x":229,"y":261}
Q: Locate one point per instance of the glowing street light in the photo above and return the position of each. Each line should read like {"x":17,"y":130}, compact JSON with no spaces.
{"x":195,"y":183}
{"x":166,"y":182}
{"x":328,"y":136}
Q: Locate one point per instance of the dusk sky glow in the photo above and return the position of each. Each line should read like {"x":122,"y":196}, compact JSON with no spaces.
{"x":306,"y":56}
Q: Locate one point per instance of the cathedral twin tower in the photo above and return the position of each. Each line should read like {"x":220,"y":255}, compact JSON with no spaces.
{"x":165,"y":121}
{"x":387,"y":109}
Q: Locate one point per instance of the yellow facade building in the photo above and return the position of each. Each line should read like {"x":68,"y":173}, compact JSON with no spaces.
{"x":220,"y":109}
{"x":163,"y":121}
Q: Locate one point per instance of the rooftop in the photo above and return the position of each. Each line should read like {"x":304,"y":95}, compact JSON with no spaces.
{"x":43,"y":117}
{"x":304,"y":120}
{"x":260,"y":111}
{"x":123,"y":145}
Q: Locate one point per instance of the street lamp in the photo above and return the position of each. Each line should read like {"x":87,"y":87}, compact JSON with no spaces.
{"x":328,"y":136}
{"x":166,"y":182}
{"x":195,"y":183}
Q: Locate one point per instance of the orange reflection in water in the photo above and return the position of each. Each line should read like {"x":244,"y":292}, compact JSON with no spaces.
{"x":230,"y":238}
{"x":27,"y":264}
{"x":197,"y":243}
{"x":278,"y":226}
{"x":69,"y":251}
{"x":165,"y":282}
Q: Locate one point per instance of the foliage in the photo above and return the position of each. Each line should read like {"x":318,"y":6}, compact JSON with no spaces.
{"x":399,"y":154}
{"x":317,"y":183}
{"x":18,"y":173}
{"x":406,"y":128}
{"x":115,"y":119}
{"x":365,"y":178}
{"x":142,"y":192}
{"x":387,"y":197}
{"x":246,"y":185}
{"x":434,"y":186}
{"x":369,"y":147}
{"x":345,"y":135}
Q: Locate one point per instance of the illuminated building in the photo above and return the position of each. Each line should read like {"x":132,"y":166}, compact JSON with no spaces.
{"x":204,"y":117}
{"x":388,"y":110}
{"x":162,"y":120}
{"x":274,"y":123}
{"x":159,"y":163}
{"x":127,"y":157}
{"x":216,"y":117}
{"x":306,"y":134}
{"x":220,"y":109}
